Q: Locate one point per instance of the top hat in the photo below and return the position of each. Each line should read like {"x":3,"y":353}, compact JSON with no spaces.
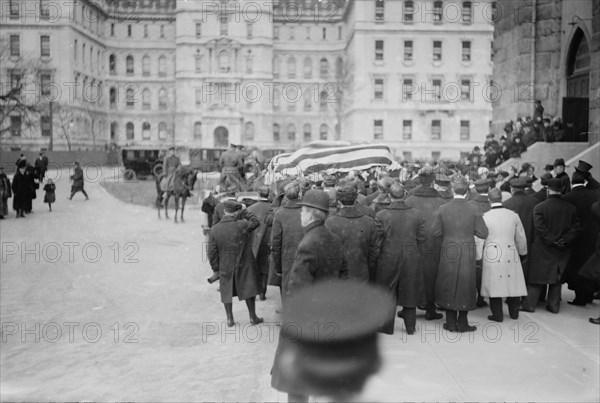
{"x":583,"y":166}
{"x":316,"y":199}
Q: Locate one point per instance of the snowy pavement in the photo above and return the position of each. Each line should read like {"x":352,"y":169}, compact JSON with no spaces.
{"x":101,"y":301}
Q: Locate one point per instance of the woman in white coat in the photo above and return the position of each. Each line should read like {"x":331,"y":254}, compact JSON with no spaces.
{"x":502,"y":275}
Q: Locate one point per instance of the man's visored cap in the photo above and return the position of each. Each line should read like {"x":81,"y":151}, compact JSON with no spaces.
{"x":442,"y":179}
{"x":328,"y":344}
{"x":583,"y":166}
{"x":555,"y":184}
{"x":482,"y":183}
{"x":231,"y":206}
{"x":518,"y":183}
{"x":545,"y":178}
{"x":559,"y":162}
{"x":317,"y":199}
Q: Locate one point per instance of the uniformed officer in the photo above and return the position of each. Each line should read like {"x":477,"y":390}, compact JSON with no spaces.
{"x":170,"y":164}
{"x":229,"y":164}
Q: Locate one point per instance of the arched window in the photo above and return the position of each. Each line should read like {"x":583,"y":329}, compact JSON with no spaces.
{"x":249,"y":134}
{"x":324,"y":68}
{"x":129,"y":97}
{"x":146,"y":130}
{"x":146,"y":65}
{"x":307,"y":132}
{"x":198,"y":130}
{"x":112,"y":64}
{"x":162,"y":131}
{"x":291,"y":67}
{"x":113,"y":131}
{"x":146,"y":99}
{"x":307,"y":67}
{"x":276,"y":66}
{"x":323,"y":132}
{"x":323,"y":101}
{"x":162,"y":66}
{"x":129,"y":131}
{"x":276,"y":131}
{"x":291,"y":132}
{"x":129,"y":65}
{"x":339,"y":68}
{"x":162,"y":99}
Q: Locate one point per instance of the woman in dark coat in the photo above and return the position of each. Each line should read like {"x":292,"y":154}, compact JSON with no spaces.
{"x":21,"y":190}
{"x":78,"y":182}
{"x":230,"y":255}
{"x":5,"y":193}
{"x":50,"y":196}
{"x":398,"y":268}
{"x":30,"y":177}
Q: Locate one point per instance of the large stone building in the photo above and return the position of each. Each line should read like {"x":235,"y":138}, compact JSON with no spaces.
{"x":202,"y":74}
{"x":549,"y":50}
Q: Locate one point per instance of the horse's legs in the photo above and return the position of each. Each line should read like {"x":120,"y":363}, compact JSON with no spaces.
{"x":168,"y":196}
{"x":158,"y":203}
{"x":183,"y":199}
{"x":176,"y":198}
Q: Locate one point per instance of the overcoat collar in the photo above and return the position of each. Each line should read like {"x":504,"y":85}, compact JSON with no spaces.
{"x":312,"y":225}
{"x":398,"y":205}
{"x":425,"y":191}
{"x":228,"y":218}
{"x":349,"y":212}
{"x":292,"y":204}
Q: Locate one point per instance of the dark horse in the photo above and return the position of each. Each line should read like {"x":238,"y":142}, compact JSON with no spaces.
{"x":183,"y":184}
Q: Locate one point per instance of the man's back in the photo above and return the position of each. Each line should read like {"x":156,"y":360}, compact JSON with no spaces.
{"x":523,"y":205}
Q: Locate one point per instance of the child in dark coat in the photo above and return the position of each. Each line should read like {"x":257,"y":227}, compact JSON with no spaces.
{"x":50,"y":196}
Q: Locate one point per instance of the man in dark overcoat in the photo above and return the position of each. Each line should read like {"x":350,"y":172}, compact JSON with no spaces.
{"x":358,"y":234}
{"x":78,"y":181}
{"x":171,"y":164}
{"x":481,"y":202}
{"x":559,"y":171}
{"x":20,"y":190}
{"x":585,"y":168}
{"x":33,"y":186}
{"x":425,"y":198}
{"x":261,"y":237}
{"x":582,"y":198}
{"x":230,"y":255}
{"x":556,"y":228}
{"x":523,"y":205}
{"x":398,"y":268}
{"x":286,"y":234}
{"x":5,"y":193}
{"x":320,"y":254}
{"x":591,"y":268}
{"x":458,"y":222}
{"x":41,"y":166}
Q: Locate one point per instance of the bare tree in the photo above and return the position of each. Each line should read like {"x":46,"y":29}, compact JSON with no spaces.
{"x":344,"y":81}
{"x":65,"y":115}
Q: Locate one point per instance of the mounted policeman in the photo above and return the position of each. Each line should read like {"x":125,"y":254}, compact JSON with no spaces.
{"x":170,"y":164}
{"x":230,"y":165}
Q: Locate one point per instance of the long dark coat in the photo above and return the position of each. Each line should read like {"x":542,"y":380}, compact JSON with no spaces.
{"x":21,"y":191}
{"x":457,"y":222}
{"x":320,"y":256}
{"x":77,"y":180}
{"x":5,"y":194}
{"x":360,"y":238}
{"x":481,"y":203}
{"x":261,"y":236}
{"x":591,"y":268}
{"x":286,"y":235}
{"x":428,"y":201}
{"x":538,"y":196}
{"x":523,"y":205}
{"x":582,"y":199}
{"x":398,"y":267}
{"x":230,"y":253}
{"x":566,"y":181}
{"x":553,"y":219}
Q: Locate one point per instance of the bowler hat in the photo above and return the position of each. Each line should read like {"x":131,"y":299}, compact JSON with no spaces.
{"x":347,"y":194}
{"x":231,"y":206}
{"x":518,"y":183}
{"x":397,"y":191}
{"x":559,"y":162}
{"x":316,"y":199}
{"x":328,"y":343}
{"x":583,"y":166}
{"x":555,"y":184}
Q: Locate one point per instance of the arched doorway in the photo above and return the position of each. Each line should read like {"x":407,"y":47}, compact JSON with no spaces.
{"x":221,"y":137}
{"x":576,"y":105}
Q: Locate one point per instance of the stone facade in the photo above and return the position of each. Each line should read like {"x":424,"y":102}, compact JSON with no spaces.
{"x":275,"y":75}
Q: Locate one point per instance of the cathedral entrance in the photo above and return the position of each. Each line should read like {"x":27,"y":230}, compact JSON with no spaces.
{"x":221,"y":137}
{"x":576,"y":105}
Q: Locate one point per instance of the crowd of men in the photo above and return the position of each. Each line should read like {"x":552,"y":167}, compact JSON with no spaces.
{"x":435,"y":240}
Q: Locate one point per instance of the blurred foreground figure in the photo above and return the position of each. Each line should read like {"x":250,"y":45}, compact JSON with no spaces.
{"x":328,"y":340}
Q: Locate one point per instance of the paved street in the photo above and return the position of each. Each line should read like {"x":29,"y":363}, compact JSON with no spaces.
{"x":101,"y":301}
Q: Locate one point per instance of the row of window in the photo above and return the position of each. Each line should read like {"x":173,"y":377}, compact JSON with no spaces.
{"x":434,"y":93}
{"x":15,"y":45}
{"x":130,"y":65}
{"x":306,"y":132}
{"x":305,"y":33}
{"x":307,"y":67}
{"x":145,"y":30}
{"x":409,"y":10}
{"x":436,"y":129}
{"x":163,"y":132}
{"x":130,"y":98}
{"x":408,"y":53}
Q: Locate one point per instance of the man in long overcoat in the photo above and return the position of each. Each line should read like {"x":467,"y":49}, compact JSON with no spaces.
{"x":523,"y":205}
{"x":320,"y":254}
{"x":585,"y":168}
{"x":582,"y":198}
{"x":261,"y":237}
{"x":41,"y":166}
{"x":20,"y":189}
{"x":170,"y":164}
{"x":286,"y":234}
{"x":482,"y":203}
{"x":358,"y":234}
{"x":398,"y":268}
{"x":425,"y":198}
{"x":78,"y":181}
{"x":502,"y":275}
{"x":5,"y":193}
{"x":230,"y":255}
{"x":556,"y":228}
{"x":457,"y":222}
